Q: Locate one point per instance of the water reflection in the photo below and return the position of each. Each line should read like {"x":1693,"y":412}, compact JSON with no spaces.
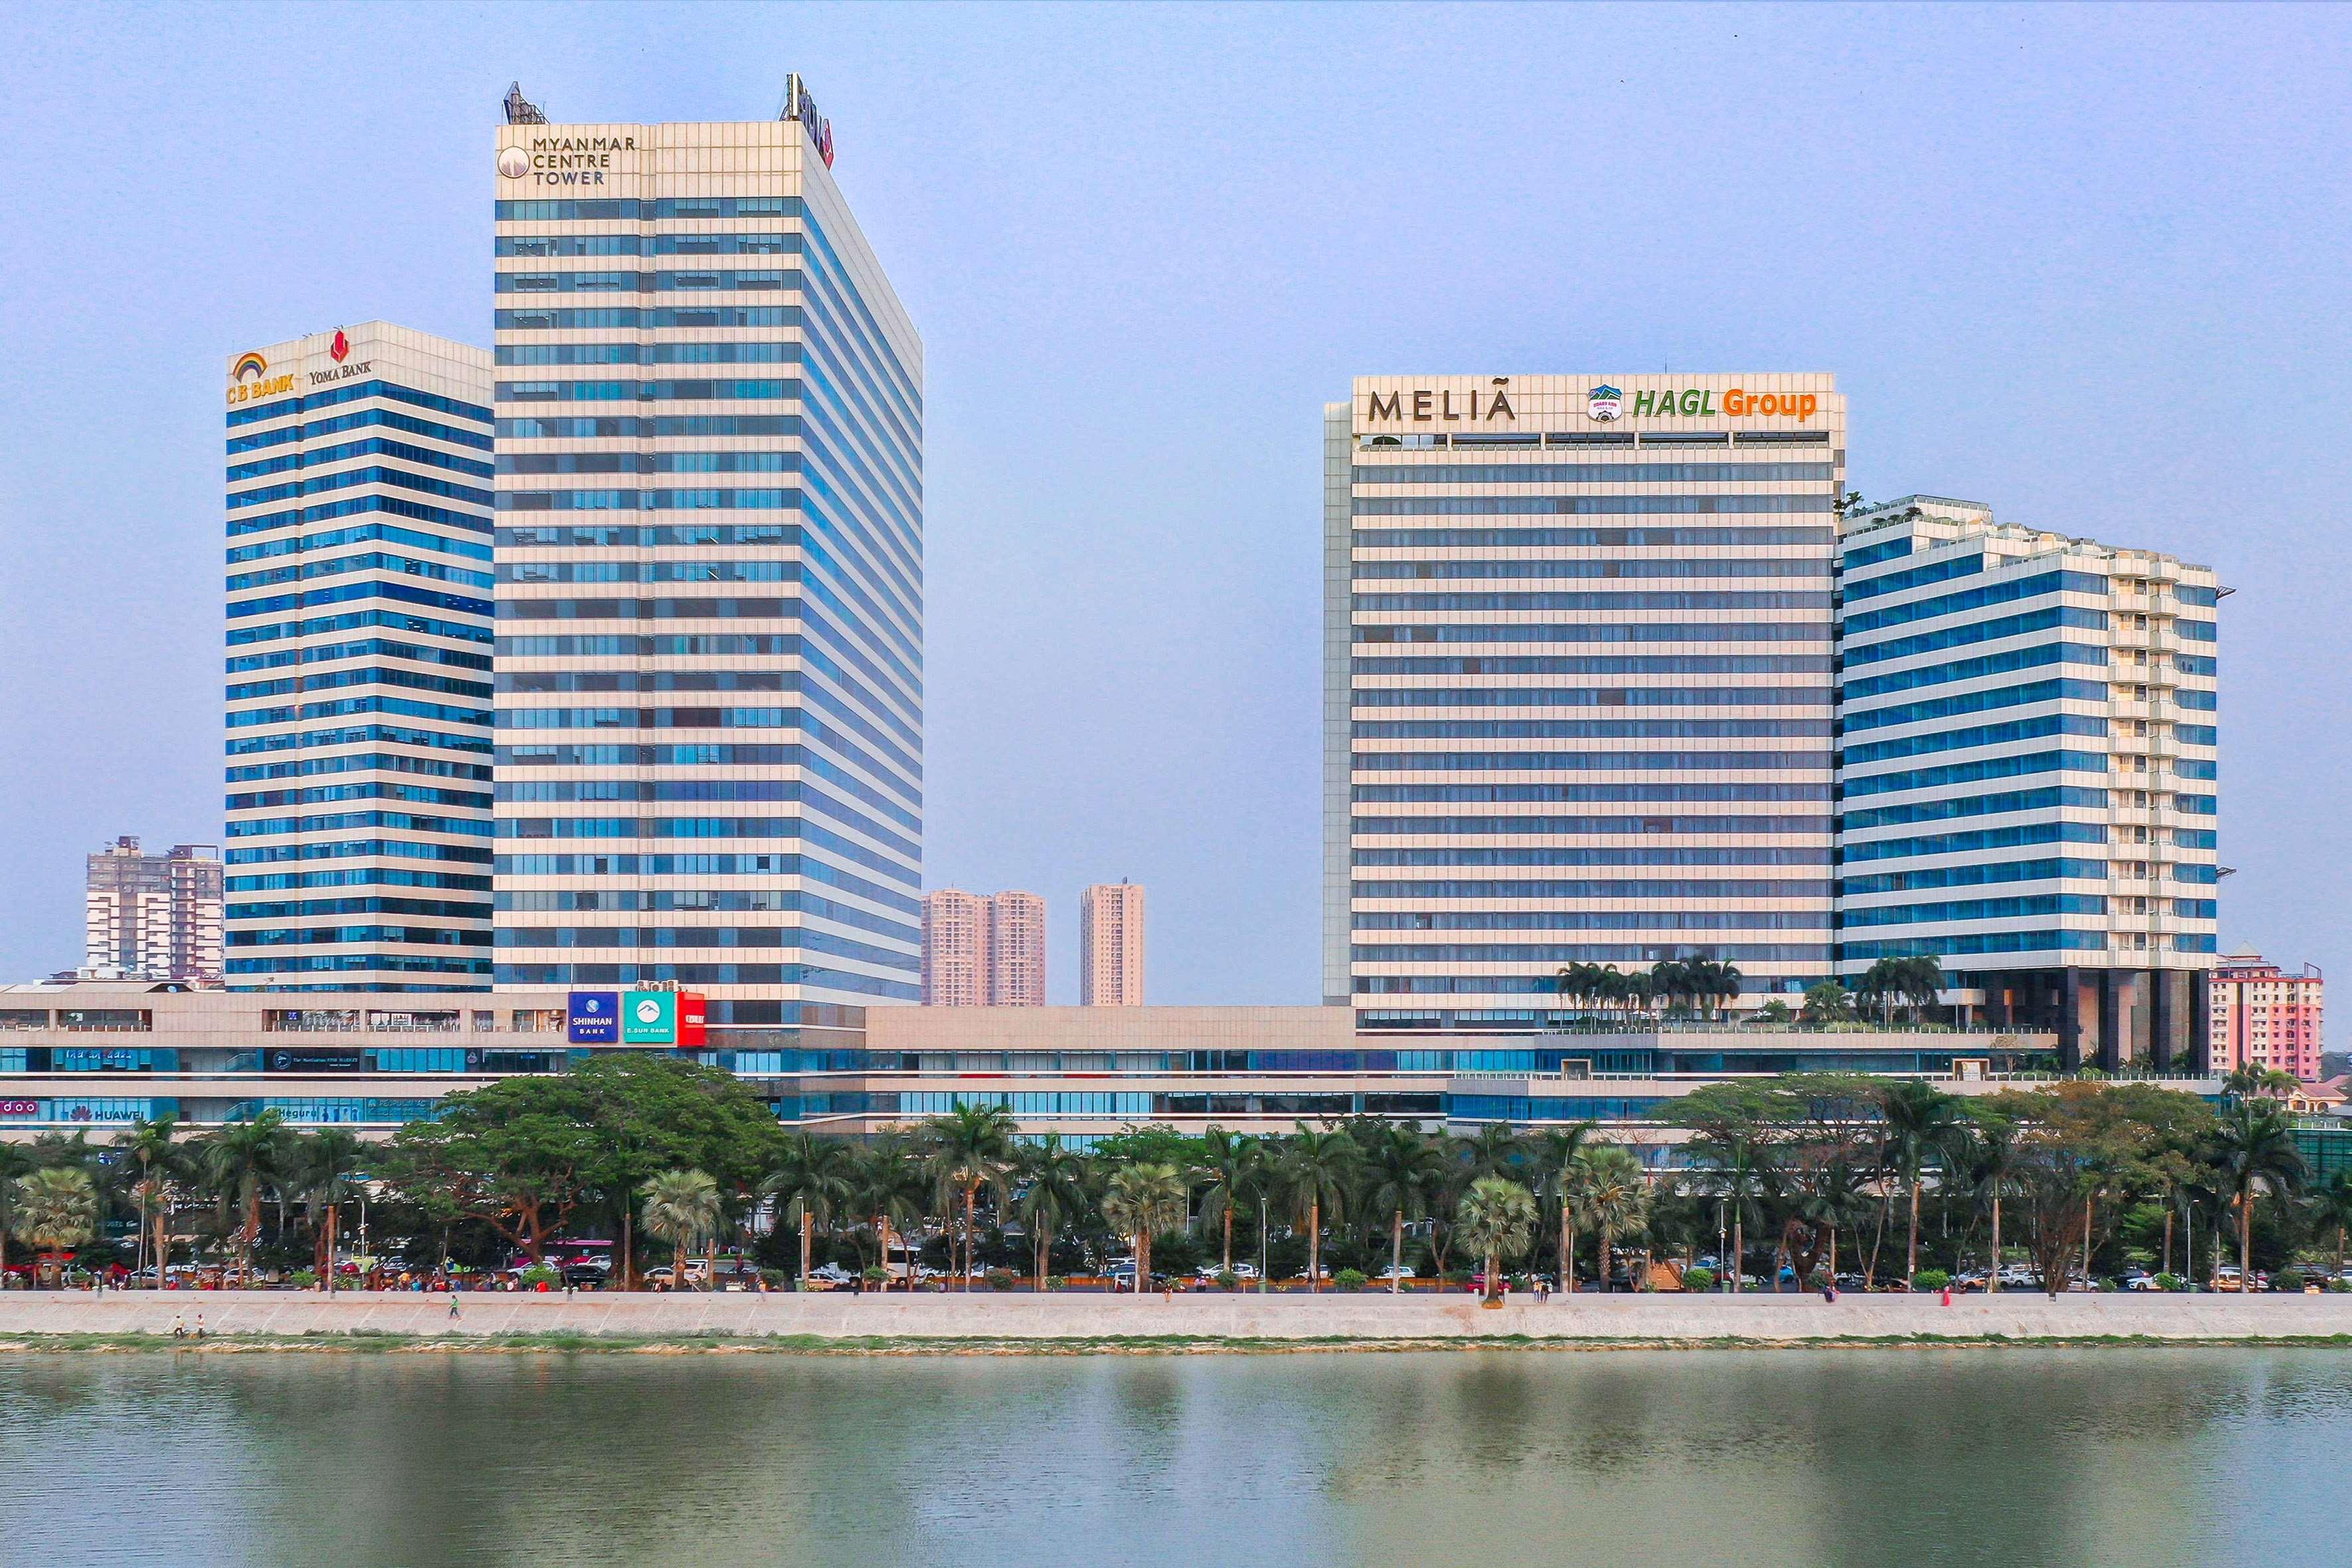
{"x":1832,"y":1457}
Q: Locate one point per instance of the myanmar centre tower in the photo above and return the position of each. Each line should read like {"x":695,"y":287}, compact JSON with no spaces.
{"x":1578,"y":691}
{"x":710,"y":559}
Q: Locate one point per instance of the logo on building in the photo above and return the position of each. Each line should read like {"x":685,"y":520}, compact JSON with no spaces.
{"x":341,"y":347}
{"x":593,"y":1017}
{"x":249,"y":366}
{"x":514,"y":163}
{"x":249,"y":381}
{"x":1604,"y":403}
{"x":1440,"y":405}
{"x":649,"y":1019}
{"x":800,"y":106}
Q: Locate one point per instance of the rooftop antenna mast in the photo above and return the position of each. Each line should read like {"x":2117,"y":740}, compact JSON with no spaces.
{"x":521,"y":110}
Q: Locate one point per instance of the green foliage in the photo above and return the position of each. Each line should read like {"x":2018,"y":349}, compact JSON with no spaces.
{"x":1931,"y":1278}
{"x":1698,"y":1278}
{"x":1350,"y":1279}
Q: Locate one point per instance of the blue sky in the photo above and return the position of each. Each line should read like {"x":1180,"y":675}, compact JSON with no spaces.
{"x":2085,"y":264}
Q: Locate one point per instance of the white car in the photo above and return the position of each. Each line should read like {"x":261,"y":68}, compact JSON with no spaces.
{"x":1400,"y":1271}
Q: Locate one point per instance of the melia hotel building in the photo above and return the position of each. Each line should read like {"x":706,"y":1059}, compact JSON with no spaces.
{"x":1578,"y":695}
{"x":710,"y":593}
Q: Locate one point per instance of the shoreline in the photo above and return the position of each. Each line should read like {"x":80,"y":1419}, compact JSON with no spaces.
{"x":1189,"y":1324}
{"x":376,"y":1342}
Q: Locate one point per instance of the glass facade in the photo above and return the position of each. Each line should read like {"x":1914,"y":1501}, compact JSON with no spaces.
{"x":768,"y":648}
{"x":358,"y":605}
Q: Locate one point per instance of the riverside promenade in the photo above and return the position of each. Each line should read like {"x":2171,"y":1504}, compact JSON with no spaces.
{"x":1017,"y":1320}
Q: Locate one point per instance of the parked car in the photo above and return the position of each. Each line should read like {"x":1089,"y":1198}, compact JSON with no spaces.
{"x":2140,"y":1280}
{"x":2226,"y":1278}
{"x":1400,"y":1271}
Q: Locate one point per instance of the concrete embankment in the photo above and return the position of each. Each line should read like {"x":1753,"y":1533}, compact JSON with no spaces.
{"x":34,"y":1319}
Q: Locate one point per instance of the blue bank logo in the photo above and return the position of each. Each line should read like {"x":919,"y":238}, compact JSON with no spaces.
{"x":594,"y":1017}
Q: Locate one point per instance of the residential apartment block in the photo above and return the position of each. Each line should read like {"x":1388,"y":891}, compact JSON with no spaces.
{"x":153,"y":917}
{"x":2263,"y":1017}
{"x":984,"y":949}
{"x":1110,"y":945}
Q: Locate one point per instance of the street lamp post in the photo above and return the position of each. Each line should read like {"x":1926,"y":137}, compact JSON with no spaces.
{"x":1722,"y":1241}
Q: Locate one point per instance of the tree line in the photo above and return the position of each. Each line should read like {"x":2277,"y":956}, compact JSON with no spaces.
{"x":1815,"y":1175}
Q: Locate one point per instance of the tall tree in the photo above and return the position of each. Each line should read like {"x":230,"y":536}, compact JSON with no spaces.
{"x":241,"y":1160}
{"x":811,"y":1186}
{"x":1496,"y":1218}
{"x":1142,"y":1200}
{"x":1232,"y":1169}
{"x":1054,"y":1191}
{"x":1918,"y":1124}
{"x":1609,"y":1192}
{"x":2254,"y":1152}
{"x":1403,"y":1173}
{"x":970,"y":1148}
{"x":1555,"y":1151}
{"x":323,"y":1168}
{"x":1317,"y":1170}
{"x":56,"y":1208}
{"x":682,"y":1207}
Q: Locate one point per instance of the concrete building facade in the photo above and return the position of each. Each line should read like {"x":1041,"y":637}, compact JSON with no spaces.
{"x":360,"y":523}
{"x":2263,"y":1017}
{"x":2028,"y":775}
{"x":1110,"y":945}
{"x":153,"y":917}
{"x":710,"y":595}
{"x":1578,"y":695}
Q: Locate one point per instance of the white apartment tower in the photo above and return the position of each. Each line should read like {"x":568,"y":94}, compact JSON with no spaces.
{"x":1016,"y":950}
{"x":1110,"y":946}
{"x":984,"y":949}
{"x":1578,"y":691}
{"x":153,"y":917}
{"x":360,"y":523}
{"x":710,"y":595}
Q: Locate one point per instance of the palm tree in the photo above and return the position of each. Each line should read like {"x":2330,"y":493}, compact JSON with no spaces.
{"x":156,"y":1158}
{"x":1671,"y":981}
{"x":1233,"y":1167}
{"x":682,"y":1208}
{"x":16,"y":1161}
{"x":1917,"y":1121}
{"x":1708,"y":981}
{"x":2331,"y":1205}
{"x":972,"y":1148}
{"x":1315,"y":1170}
{"x":811,"y":1185}
{"x":1995,"y":1157}
{"x":1054,"y":1194}
{"x":1556,"y":1149}
{"x":1827,"y":1002}
{"x":55,"y":1207}
{"x":1733,"y":1165}
{"x":240,"y":1160}
{"x":1403,"y":1171}
{"x":322,"y":1165}
{"x":1609,"y":1192}
{"x":1142,"y":1200}
{"x":1497,"y":1217}
{"x":1495,"y":1150}
{"x":2248,"y":1081}
{"x":2254,"y":1150}
{"x":889,"y":1189}
{"x":1829,"y":1197}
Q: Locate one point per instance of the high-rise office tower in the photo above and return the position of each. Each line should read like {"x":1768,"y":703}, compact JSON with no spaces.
{"x":1578,"y":689}
{"x":1110,"y":946}
{"x":1016,"y":949}
{"x":153,"y":917}
{"x":358,"y":663}
{"x":955,"y":949}
{"x":710,"y":602}
{"x":2029,"y":774}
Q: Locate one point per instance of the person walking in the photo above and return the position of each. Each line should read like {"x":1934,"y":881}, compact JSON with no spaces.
{"x":179,"y":1326}
{"x":200,"y":1325}
{"x":453,"y":1302}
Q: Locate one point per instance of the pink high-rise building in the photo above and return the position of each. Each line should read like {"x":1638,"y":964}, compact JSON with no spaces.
{"x":1016,"y":950}
{"x":1110,"y":946}
{"x":984,"y":949}
{"x":2263,"y":1017}
{"x":955,"y":949}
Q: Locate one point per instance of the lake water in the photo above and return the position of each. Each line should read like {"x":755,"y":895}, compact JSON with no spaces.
{"x":1863,"y":1458}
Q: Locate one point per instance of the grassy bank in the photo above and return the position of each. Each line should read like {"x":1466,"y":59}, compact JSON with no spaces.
{"x":369,"y":1341}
